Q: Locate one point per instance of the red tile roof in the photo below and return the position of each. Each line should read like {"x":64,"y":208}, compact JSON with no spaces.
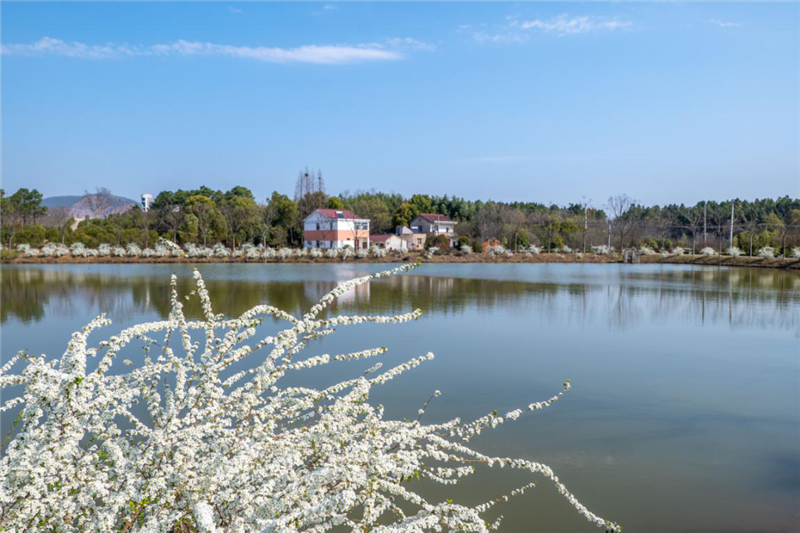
{"x":380,"y":238}
{"x":431,"y":217}
{"x":332,"y":213}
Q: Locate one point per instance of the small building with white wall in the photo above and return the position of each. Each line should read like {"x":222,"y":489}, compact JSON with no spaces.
{"x":389,"y":241}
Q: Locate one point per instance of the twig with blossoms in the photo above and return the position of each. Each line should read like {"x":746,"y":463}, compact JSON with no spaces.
{"x":186,"y":441}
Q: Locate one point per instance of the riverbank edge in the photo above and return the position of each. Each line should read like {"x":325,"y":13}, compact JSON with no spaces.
{"x":698,"y":260}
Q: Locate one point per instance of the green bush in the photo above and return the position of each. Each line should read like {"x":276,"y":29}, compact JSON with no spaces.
{"x":439,"y":241}
{"x":35,"y":235}
{"x":7,"y":253}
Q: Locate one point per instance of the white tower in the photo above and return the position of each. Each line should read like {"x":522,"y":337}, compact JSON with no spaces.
{"x":147,"y":201}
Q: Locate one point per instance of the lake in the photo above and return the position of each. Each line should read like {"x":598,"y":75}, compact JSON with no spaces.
{"x":685,"y":410}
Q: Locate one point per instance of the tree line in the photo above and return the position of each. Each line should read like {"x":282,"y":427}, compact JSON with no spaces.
{"x":205,"y":216}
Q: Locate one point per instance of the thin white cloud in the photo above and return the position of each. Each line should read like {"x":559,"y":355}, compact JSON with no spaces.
{"x":235,"y":10}
{"x":509,"y":37}
{"x":515,"y":30}
{"x":331,"y":54}
{"x":726,"y":24}
{"x":409,"y":43}
{"x":391,"y":50}
{"x":565,"y":25}
{"x":50,"y":46}
{"x":330,"y":7}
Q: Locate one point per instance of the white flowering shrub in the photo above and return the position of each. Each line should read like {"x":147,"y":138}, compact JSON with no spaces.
{"x":678,"y":251}
{"x":220,"y":251}
{"x":162,"y":251}
{"x":104,"y":250}
{"x":378,"y":253}
{"x":315,"y":253}
{"x":270,"y":253}
{"x":347,"y":252}
{"x":362,"y":253}
{"x":182,"y":444}
{"x":795,"y":252}
{"x":194,"y":251}
{"x":91,"y":252}
{"x":579,"y":255}
{"x":119,"y":251}
{"x":767,"y":252}
{"x":32,"y":252}
{"x":23,"y":247}
{"x":285,"y":253}
{"x":531,"y":250}
{"x":148,"y":252}
{"x":82,"y":252}
{"x":646,"y":250}
{"x":708,"y":251}
{"x":497,"y":250}
{"x":566,"y":249}
{"x":300,"y":252}
{"x":433,"y":250}
{"x":735,"y":252}
{"x":603,"y":249}
{"x":78,"y":249}
{"x":253,"y":252}
{"x":331,"y":253}
{"x":466,"y":249}
{"x":48,"y":249}
{"x":133,"y":250}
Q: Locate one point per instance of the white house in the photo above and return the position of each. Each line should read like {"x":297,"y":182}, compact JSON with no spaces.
{"x":413,"y":238}
{"x":433,"y":224}
{"x":334,"y":228}
{"x":389,"y":241}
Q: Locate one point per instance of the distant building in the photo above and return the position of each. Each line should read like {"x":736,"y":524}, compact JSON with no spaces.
{"x":433,"y":224}
{"x":412,"y":238}
{"x":389,"y":241}
{"x":334,"y":228}
{"x":147,"y":201}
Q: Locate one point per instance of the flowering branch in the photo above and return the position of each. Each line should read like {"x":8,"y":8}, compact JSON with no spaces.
{"x":186,"y":442}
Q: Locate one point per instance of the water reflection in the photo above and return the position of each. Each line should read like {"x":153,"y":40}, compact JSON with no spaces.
{"x":684,"y":413}
{"x":623,"y":299}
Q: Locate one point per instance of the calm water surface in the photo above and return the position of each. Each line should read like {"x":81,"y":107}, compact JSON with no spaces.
{"x":685,"y":410}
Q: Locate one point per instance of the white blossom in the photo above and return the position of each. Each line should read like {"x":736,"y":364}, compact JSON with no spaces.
{"x":767,"y":252}
{"x":193,"y":439}
{"x":603,"y":250}
{"x":646,"y":250}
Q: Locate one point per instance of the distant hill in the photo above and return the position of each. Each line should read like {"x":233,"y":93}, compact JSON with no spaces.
{"x":81,"y":206}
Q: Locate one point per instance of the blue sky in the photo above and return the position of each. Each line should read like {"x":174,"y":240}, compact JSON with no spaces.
{"x":667,"y":102}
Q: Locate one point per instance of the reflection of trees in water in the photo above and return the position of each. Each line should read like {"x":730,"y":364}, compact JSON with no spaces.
{"x":743,"y":297}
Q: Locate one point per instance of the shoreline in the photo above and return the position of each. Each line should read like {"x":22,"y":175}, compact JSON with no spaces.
{"x":546,"y":258}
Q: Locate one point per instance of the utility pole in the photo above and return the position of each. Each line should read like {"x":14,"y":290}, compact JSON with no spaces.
{"x":731,"y":244}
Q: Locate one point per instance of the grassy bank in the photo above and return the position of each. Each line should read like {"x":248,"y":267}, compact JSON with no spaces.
{"x":718,"y":261}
